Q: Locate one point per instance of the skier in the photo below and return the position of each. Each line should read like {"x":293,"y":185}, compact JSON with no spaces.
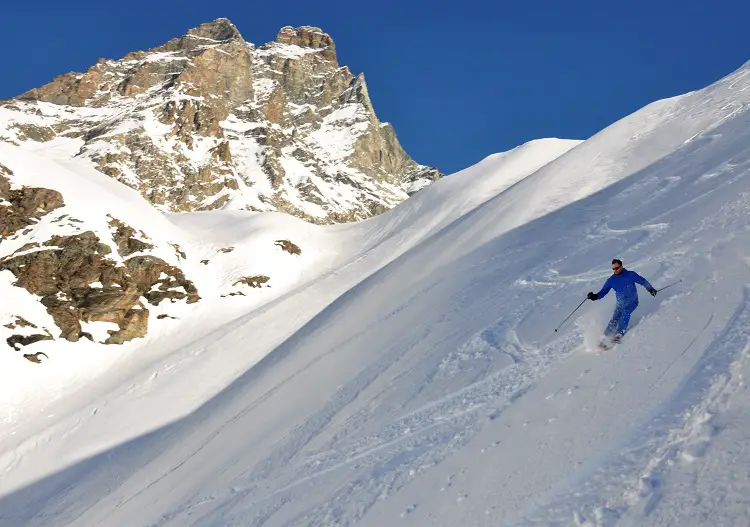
{"x":623,"y":282}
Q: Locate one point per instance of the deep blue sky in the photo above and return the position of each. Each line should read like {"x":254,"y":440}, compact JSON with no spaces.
{"x":458,"y":80}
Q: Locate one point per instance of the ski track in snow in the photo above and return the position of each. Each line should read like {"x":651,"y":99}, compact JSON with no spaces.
{"x":682,"y":432}
{"x":423,"y":437}
{"x":420,"y":381}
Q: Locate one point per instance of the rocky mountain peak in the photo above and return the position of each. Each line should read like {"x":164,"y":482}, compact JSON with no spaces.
{"x":307,"y":37}
{"x":220,"y":31}
{"x":209,"y":121}
{"x":205,"y":121}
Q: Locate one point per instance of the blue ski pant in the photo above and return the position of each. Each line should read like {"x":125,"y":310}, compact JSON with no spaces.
{"x":620,"y":318}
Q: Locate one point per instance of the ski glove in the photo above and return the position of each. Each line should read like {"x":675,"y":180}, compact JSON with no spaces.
{"x":653,"y":291}
{"x":592,"y":296}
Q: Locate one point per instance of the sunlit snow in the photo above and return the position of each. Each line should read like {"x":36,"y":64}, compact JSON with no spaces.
{"x":404,"y":370}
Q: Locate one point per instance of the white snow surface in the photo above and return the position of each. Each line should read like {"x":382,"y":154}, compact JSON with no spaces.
{"x":405,"y":370}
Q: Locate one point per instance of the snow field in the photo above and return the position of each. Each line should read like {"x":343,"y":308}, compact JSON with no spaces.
{"x":410,"y":374}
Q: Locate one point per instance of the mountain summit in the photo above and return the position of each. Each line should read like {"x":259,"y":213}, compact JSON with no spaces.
{"x":208,"y":121}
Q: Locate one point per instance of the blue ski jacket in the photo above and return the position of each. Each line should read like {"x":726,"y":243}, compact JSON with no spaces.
{"x":624,"y":286}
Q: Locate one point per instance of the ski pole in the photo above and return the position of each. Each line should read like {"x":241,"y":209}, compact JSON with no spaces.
{"x":576,"y":309}
{"x":670,"y":285}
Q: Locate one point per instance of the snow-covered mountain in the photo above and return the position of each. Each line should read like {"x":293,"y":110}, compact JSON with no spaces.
{"x":403,"y":369}
{"x":205,"y":121}
{"x":209,"y":121}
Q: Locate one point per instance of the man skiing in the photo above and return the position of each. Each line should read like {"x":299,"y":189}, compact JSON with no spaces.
{"x":623,"y":282}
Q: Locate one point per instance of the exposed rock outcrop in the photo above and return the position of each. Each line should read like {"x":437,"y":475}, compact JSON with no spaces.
{"x":35,"y":357}
{"x":253,"y":281}
{"x":125,"y":238}
{"x":77,"y":282}
{"x":20,"y":208}
{"x":288,"y":246}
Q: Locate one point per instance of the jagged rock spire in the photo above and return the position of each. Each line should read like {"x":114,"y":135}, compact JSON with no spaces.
{"x":308,"y":37}
{"x":220,"y":31}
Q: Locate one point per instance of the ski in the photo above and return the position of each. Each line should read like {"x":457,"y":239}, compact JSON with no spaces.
{"x":608,"y":343}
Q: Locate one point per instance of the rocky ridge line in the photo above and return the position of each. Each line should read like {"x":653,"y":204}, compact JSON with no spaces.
{"x":209,"y":121}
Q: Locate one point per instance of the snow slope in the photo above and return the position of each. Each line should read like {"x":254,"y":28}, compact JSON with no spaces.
{"x":413,"y":376}
{"x":89,"y":375}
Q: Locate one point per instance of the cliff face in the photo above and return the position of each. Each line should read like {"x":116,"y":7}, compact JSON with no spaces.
{"x":209,"y":121}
